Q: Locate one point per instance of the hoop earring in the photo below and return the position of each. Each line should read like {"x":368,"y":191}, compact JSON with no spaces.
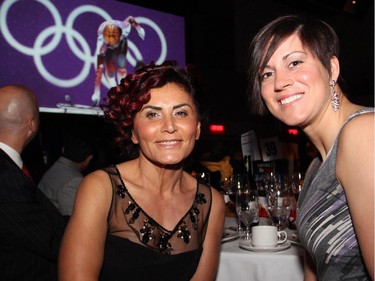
{"x":335,"y":99}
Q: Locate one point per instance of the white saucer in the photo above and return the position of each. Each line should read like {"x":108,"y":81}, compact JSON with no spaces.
{"x":293,"y":239}
{"x":229,"y":235}
{"x":246,"y":245}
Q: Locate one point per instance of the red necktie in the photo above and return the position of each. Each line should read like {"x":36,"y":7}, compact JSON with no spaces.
{"x":26,"y":172}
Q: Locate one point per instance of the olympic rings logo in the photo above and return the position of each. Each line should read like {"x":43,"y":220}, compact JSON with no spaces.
{"x":82,"y":52}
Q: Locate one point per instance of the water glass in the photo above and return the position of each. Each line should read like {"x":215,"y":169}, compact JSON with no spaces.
{"x":247,"y":206}
{"x":278,"y":199}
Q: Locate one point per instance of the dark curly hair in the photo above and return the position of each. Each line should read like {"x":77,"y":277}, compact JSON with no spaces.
{"x":126,"y":99}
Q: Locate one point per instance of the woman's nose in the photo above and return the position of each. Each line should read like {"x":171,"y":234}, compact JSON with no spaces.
{"x":282,"y":82}
{"x":169,"y":125}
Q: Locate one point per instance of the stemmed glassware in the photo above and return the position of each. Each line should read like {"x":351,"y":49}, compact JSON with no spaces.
{"x":230,"y":186}
{"x":278,"y":201}
{"x":279,"y":216}
{"x":246,"y":204}
{"x":296,"y":182}
{"x":234,"y":183}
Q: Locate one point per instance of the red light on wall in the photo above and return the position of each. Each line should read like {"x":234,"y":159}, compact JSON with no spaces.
{"x":217,"y":129}
{"x":293,"y":132}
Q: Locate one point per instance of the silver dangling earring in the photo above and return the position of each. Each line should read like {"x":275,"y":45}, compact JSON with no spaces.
{"x":335,"y":99}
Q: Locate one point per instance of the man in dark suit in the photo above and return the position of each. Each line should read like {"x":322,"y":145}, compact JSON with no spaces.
{"x":30,"y":226}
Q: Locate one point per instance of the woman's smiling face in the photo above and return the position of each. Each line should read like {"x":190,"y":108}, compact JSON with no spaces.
{"x":167,"y":127}
{"x":295,"y":84}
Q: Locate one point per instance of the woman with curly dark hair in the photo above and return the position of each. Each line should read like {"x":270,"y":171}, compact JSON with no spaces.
{"x":146,"y":218}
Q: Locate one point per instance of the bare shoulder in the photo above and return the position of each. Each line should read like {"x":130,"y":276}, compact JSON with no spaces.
{"x":94,"y":190}
{"x":355,"y":152}
{"x":358,"y":132}
{"x":216,"y":195}
{"x":218,"y":201}
{"x":95,"y":181}
{"x":361,"y":121}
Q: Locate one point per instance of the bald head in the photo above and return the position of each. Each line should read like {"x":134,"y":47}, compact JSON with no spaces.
{"x":19,"y":116}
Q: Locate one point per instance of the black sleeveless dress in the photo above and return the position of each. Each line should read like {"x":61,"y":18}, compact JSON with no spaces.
{"x":138,"y":248}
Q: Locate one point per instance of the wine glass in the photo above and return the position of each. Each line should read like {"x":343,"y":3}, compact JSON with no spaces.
{"x":233,"y":183}
{"x":273,"y":188}
{"x":296,"y":182}
{"x":279,"y":216}
{"x":247,"y":205}
{"x":279,"y":202}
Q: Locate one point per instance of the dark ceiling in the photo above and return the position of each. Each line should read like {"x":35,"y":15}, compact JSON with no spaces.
{"x":217,"y":36}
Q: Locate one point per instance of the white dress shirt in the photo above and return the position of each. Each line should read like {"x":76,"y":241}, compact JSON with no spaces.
{"x":12,"y":153}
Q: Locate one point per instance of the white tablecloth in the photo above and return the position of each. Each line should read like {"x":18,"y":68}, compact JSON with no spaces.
{"x":237,"y":264}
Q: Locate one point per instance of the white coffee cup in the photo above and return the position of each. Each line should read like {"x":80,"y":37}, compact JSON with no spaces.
{"x":267,"y":236}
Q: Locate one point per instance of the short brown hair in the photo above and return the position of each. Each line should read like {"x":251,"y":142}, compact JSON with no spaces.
{"x":316,"y":35}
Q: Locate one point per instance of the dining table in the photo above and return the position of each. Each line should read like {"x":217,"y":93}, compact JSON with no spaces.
{"x":244,"y":263}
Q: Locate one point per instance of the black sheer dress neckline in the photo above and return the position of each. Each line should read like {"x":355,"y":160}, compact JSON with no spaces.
{"x":138,"y":248}
{"x":124,"y":191}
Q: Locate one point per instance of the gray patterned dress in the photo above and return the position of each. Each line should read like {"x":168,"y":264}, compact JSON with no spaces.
{"x":324,"y":223}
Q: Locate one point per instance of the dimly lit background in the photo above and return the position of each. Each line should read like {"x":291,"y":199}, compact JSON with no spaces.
{"x":218,"y":33}
{"x":217,"y":37}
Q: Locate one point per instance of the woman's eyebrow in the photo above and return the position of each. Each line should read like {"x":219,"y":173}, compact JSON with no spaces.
{"x":181,"y":105}
{"x":285,"y":57}
{"x":160,"y":108}
{"x":291,"y":53}
{"x":151,"y":107}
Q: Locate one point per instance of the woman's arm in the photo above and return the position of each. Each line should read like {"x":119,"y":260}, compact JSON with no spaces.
{"x":82,"y":248}
{"x":309,"y":268}
{"x":209,"y":261}
{"x":355,"y":170}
